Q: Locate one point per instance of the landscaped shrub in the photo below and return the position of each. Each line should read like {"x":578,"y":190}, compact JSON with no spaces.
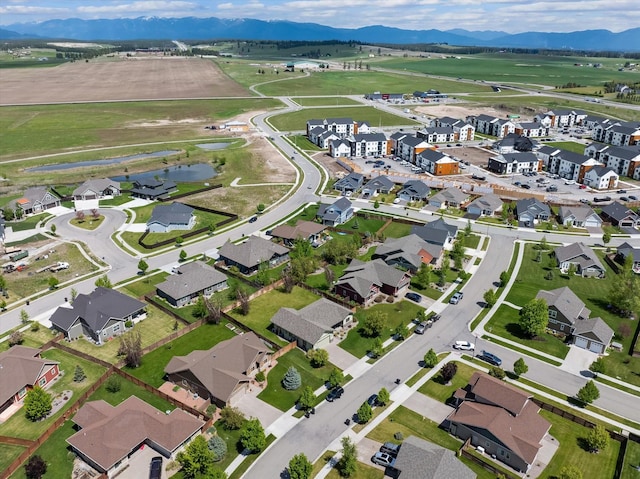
{"x":113,"y":384}
{"x":379,"y":298}
{"x":260,"y":377}
{"x":291,"y":380}
{"x":219,"y":447}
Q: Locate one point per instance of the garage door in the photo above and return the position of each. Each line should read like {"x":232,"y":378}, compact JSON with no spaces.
{"x":595,"y":347}
{"x":591,"y":224}
{"x":581,"y":343}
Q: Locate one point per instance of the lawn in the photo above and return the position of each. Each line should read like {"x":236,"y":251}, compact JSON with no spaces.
{"x":128,"y":389}
{"x":472,"y":241}
{"x":146,"y":285}
{"x":88,"y":222}
{"x":156,"y":326}
{"x":8,"y":454}
{"x":397,"y":230}
{"x":278,"y":396}
{"x":401,"y":312}
{"x":324,"y":101}
{"x":363,"y":471}
{"x":19,"y":426}
{"x":569,"y":435}
{"x":568,"y":145}
{"x":436,"y":388}
{"x":205,"y":337}
{"x":30,"y":338}
{"x":28,"y":223}
{"x":264,"y":307}
{"x":364,"y":224}
{"x":298,"y":120}
{"x":631,"y":460}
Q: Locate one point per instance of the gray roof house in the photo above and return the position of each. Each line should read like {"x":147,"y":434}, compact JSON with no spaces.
{"x":579,"y":217}
{"x":192,"y":280}
{"x":223,"y":373}
{"x":166,"y":218}
{"x":304,"y":230}
{"x":592,"y":334}
{"x":379,"y":184}
{"x":362,"y":281}
{"x":352,"y":182}
{"x":99,"y":315}
{"x":453,"y":197}
{"x":437,"y":232}
{"x":625,"y":250}
{"x":619,"y":215}
{"x":414,"y":190}
{"x":337,"y":213}
{"x":96,"y":188}
{"x":487,"y":205}
{"x":151,"y":189}
{"x":248,"y":256}
{"x":565,"y":309}
{"x":311,"y":327}
{"x":420,"y":459}
{"x":36,"y":199}
{"x":583,"y":257}
{"x":531,"y":210}
{"x":408,"y":252}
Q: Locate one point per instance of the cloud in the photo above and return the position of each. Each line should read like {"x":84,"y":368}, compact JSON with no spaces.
{"x":148,"y":7}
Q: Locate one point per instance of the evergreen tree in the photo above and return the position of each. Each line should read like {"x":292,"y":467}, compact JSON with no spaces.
{"x":79,"y":375}
{"x":291,"y":380}
{"x":218,"y":446}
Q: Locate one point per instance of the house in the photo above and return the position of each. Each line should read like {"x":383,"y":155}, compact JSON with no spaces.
{"x":414,"y":190}
{"x":151,"y":189}
{"x":313,"y":326}
{"x":36,"y":199}
{"x":583,"y":257}
{"x":369,"y":144}
{"x":601,"y":178}
{"x":619,"y":215}
{"x":437,"y":164}
{"x":571,"y":165}
{"x":350,"y":183}
{"x":95,"y":189}
{"x":486,"y":205}
{"x":624,"y":160}
{"x":250,"y":254}
{"x":166,"y":218}
{"x":362,"y":281}
{"x":491,"y":125}
{"x":223,"y":373}
{"x":501,"y":419}
{"x":99,"y":315}
{"x":191,"y":281}
{"x":437,"y":232}
{"x":408,"y":147}
{"x":342,"y":127}
{"x":337,"y":213}
{"x":532,"y":129}
{"x":450,"y":198}
{"x":303,"y":230}
{"x":339,"y":147}
{"x":513,"y":143}
{"x":592,"y":334}
{"x":530,"y":211}
{"x":514,"y":163}
{"x":579,"y":217}
{"x":625,"y":250}
{"x":463,"y":131}
{"x":420,"y":459}
{"x":109,"y":435}
{"x":22,"y":368}
{"x":617,"y":133}
{"x":408,"y":252}
{"x":379,"y":184}
{"x":437,"y":134}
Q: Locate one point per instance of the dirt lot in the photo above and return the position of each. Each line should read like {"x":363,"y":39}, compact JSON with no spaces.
{"x":462,"y":111}
{"x":150,"y":78}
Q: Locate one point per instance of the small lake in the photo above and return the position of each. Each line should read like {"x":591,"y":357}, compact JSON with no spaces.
{"x":108,"y":161}
{"x":213,"y":146}
{"x":178,"y":173}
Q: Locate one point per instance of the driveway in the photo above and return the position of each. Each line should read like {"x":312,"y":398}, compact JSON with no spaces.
{"x":578,"y":361}
{"x":338,"y":356}
{"x":251,"y":406}
{"x":428,"y":407}
{"x":139,"y":464}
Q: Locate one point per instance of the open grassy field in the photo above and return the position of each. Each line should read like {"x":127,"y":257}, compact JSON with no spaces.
{"x":325,"y":101}
{"x":298,"y":120}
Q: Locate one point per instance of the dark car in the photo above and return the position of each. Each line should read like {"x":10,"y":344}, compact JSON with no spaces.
{"x":390,"y":448}
{"x":490,"y":358}
{"x":526,"y":187}
{"x":155,"y":468}
{"x":622,"y":192}
{"x":458,"y":144}
{"x":624,"y":198}
{"x":373,"y":400}
{"x":335,"y":393}
{"x":253,"y":219}
{"x":414,"y":297}
{"x":634,"y":198}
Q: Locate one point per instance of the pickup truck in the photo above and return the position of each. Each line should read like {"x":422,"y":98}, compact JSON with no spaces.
{"x":59,"y":266}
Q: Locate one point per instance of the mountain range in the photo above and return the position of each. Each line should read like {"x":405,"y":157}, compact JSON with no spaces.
{"x":192,"y":28}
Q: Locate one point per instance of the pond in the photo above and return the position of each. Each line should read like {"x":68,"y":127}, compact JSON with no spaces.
{"x":178,"y":173}
{"x":213,"y":146}
{"x":108,"y":161}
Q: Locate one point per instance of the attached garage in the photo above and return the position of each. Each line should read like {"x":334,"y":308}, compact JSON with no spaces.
{"x":592,"y":223}
{"x":581,"y":342}
{"x":592,"y":334}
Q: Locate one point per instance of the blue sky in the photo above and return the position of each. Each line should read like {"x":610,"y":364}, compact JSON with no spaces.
{"x":510,"y":16}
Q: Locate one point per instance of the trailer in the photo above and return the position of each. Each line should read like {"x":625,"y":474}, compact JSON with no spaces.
{"x":60,"y":265}
{"x":18,"y":256}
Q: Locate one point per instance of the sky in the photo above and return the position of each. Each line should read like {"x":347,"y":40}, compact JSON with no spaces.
{"x":511,"y":16}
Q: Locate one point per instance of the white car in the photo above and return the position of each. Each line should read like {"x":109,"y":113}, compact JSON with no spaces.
{"x":569,"y":182}
{"x":464,"y":346}
{"x":396,"y":201}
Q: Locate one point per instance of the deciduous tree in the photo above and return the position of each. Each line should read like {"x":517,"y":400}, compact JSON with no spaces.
{"x":131,"y":348}
{"x":103,"y":281}
{"x":430,"y":358}
{"x":143,"y":266}
{"x":520,"y":367}
{"x":53,"y":282}
{"x":196,"y":460}
{"x":364,"y":413}
{"x":570,"y":472}
{"x":448,"y":371}
{"x":232,"y":417}
{"x":373,"y":324}
{"x":318,"y":357}
{"x":35,"y":467}
{"x":348,"y":463}
{"x":534,"y":317}
{"x":307,"y":398}
{"x":37,"y":404}
{"x":300,"y":467}
{"x":335,"y":378}
{"x":383,"y":397}
{"x":252,"y":436}
{"x":588,"y":393}
{"x":597,"y":439}
{"x":490,"y":298}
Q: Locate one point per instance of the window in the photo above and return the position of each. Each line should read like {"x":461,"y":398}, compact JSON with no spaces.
{"x":42,"y":381}
{"x":553,"y":313}
{"x":116,"y":328}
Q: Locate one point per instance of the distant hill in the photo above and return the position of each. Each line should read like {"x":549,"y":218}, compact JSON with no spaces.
{"x":191,"y":28}
{"x":11,"y":35}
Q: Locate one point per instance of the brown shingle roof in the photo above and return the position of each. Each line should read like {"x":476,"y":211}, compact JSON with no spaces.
{"x":20,"y":366}
{"x":302,"y":229}
{"x":498,"y":392}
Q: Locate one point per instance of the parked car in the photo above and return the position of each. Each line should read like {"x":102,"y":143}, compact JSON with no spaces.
{"x":633,"y":198}
{"x":335,"y":393}
{"x":414,"y":297}
{"x":383,"y":459}
{"x":622,"y":192}
{"x":569,"y":182}
{"x":552,"y":188}
{"x":390,"y":448}
{"x":253,"y":219}
{"x":458,"y":144}
{"x":155,"y":468}
{"x":455,"y":299}
{"x":624,"y":199}
{"x":464,"y":346}
{"x":525,"y":186}
{"x":490,"y":358}
{"x":373,"y":400}
{"x":422,"y":327}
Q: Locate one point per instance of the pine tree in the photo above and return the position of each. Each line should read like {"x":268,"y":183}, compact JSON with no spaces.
{"x":292,"y":379}
{"x":79,"y":375}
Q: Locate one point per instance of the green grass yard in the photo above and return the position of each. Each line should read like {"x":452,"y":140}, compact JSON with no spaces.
{"x":298,"y":120}
{"x":128,"y":389}
{"x":631,"y":460}
{"x":8,"y":454}
{"x":325,"y":101}
{"x":436,"y":389}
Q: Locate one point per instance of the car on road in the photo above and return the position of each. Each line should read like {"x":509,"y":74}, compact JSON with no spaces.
{"x":462,"y":166}
{"x":464,"y":346}
{"x":583,"y":187}
{"x":584,"y":201}
{"x":155,"y":468}
{"x":414,"y":297}
{"x":253,"y":219}
{"x":390,"y":448}
{"x":335,"y":393}
{"x":622,"y":192}
{"x":624,"y":199}
{"x":525,"y":186}
{"x":455,"y":299}
{"x":422,"y":327}
{"x":633,"y":198}
{"x":373,"y":400}
{"x":490,"y":358}
{"x":383,"y":459}
{"x":569,"y":182}
{"x":458,"y":144}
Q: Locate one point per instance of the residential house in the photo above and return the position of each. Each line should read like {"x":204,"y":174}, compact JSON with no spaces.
{"x":532,"y":129}
{"x":579,"y":217}
{"x":592,"y":334}
{"x":99,"y":315}
{"x":571,"y":165}
{"x":223,"y":373}
{"x":414,"y":190}
{"x":313,"y":326}
{"x":486,"y":205}
{"x":321,"y":137}
{"x":450,"y":198}
{"x":619,"y":215}
{"x":408,"y":252}
{"x":350,"y":183}
{"x":463,"y":131}
{"x":151,"y":189}
{"x":363,"y":281}
{"x":491,"y":125}
{"x":109,"y":435}
{"x":35,"y":200}
{"x":625,"y":250}
{"x":514,"y":163}
{"x":379,"y":184}
{"x":624,"y":160}
{"x":582,"y":257}
{"x":250,"y":254}
{"x":408,"y":147}
{"x":512,"y":143}
{"x":339,"y":148}
{"x":437,"y":134}
{"x":420,"y":459}
{"x":369,"y":144}
{"x":601,"y":178}
{"x":191,"y":281}
{"x":21,"y":369}
{"x":173,"y":217}
{"x":95,"y":189}
{"x":342,"y":127}
{"x":437,"y":232}
{"x":530,"y":211}
{"x":303,"y":230}
{"x":501,"y":419}
{"x":437,"y":164}
{"x":337,"y":213}
{"x":561,"y":118}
